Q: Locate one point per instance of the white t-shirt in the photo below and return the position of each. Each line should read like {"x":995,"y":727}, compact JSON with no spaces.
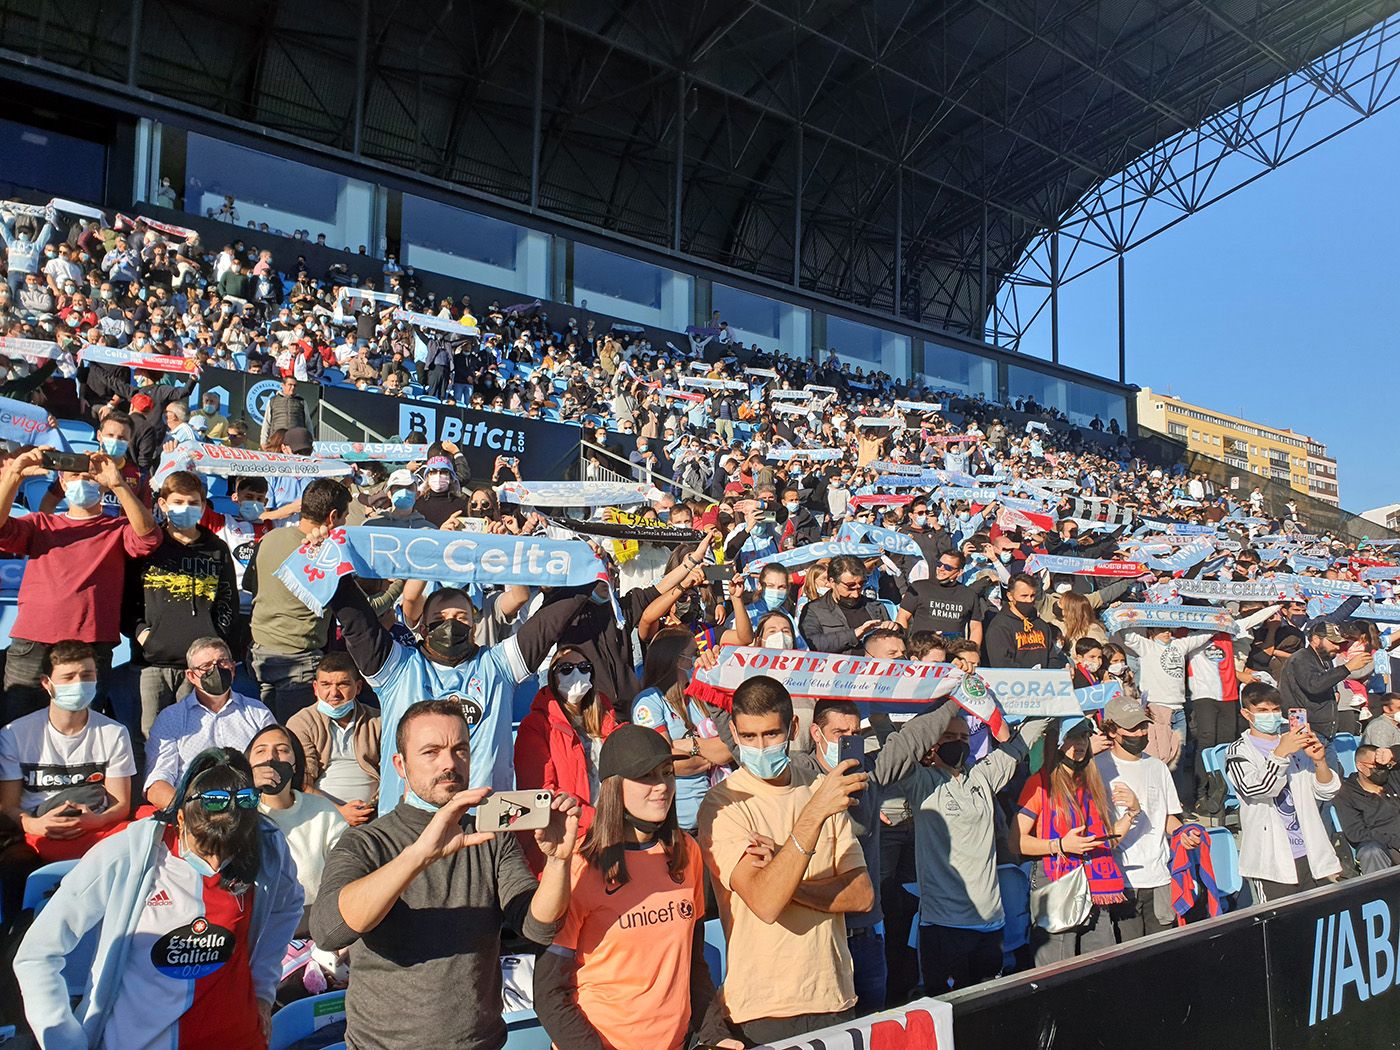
{"x":45,"y":761}
{"x":1143,"y":851}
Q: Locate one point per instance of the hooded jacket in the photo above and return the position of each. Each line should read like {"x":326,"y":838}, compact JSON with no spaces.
{"x":93,"y":916}
{"x":1012,"y":640}
{"x":549,"y":754}
{"x":181,"y":592}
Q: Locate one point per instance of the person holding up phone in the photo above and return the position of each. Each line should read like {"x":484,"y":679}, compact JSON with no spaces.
{"x":1282,"y":778}
{"x":77,"y":561}
{"x":1064,"y":819}
{"x":420,"y":896}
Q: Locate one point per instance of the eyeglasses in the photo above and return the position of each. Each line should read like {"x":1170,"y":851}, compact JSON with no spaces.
{"x":217,"y":800}
{"x":569,"y":667}
{"x":206,"y":668}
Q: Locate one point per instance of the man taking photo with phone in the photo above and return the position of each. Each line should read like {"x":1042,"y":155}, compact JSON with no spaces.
{"x":77,"y":562}
{"x":420,"y":896}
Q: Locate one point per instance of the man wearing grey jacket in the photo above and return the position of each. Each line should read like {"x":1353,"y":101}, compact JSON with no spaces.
{"x":419,"y":896}
{"x":955,"y":834}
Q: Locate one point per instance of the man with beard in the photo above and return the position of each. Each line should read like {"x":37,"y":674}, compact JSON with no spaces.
{"x":942,"y":604}
{"x":419,"y":896}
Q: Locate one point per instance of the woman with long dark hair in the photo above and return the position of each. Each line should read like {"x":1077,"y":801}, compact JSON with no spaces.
{"x":628,"y":971}
{"x":686,"y":723}
{"x":559,"y":741}
{"x":182,"y":920}
{"x":1064,"y":822}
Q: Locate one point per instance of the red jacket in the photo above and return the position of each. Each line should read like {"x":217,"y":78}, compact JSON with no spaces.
{"x":549,"y":754}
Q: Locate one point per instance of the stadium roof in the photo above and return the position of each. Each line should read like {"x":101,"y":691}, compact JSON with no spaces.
{"x":948,"y":134}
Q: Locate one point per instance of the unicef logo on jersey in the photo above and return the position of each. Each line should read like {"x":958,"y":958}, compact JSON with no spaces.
{"x":258,"y":396}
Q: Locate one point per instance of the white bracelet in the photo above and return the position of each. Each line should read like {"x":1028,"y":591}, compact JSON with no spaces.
{"x":804,"y":852}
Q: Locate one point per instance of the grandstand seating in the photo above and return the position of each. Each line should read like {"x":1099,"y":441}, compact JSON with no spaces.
{"x":295,"y":1021}
{"x":43,"y":882}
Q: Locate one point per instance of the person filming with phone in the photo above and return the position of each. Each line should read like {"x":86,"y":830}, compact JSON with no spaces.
{"x":1278,"y":767}
{"x":420,"y":896}
{"x":77,"y":562}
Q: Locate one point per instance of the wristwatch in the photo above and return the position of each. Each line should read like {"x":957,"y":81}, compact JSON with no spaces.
{"x":694,"y":746}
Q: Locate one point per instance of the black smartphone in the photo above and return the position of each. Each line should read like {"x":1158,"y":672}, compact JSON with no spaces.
{"x":851,"y":747}
{"x":719,"y":575}
{"x":75,"y":462}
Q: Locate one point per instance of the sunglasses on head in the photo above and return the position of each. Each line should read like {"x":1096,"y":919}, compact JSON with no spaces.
{"x":569,"y":667}
{"x":217,"y":800}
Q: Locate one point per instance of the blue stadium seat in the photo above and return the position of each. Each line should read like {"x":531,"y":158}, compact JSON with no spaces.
{"x":32,"y":490}
{"x":715,"y":950}
{"x":1015,"y":883}
{"x":1344,"y":746}
{"x":299,"y":1019}
{"x":524,"y":1031}
{"x":1225,"y":860}
{"x":75,"y":430}
{"x":42,"y":883}
{"x":333,"y":376}
{"x":1213,"y":759}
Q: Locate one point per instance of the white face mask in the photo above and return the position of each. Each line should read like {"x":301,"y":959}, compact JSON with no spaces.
{"x":439,"y":482}
{"x":1117,"y":667}
{"x":784,"y":640}
{"x":574,"y":685}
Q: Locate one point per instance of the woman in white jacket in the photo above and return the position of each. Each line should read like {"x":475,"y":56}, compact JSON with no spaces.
{"x":170,"y":932}
{"x":1281,"y":776}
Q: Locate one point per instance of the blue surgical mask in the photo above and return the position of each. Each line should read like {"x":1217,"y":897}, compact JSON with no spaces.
{"x":335,"y":712}
{"x":766,"y":763}
{"x":774,"y":597}
{"x":1270,"y":723}
{"x":831,"y":752}
{"x":74,"y":696}
{"x":402,"y":499}
{"x":82,"y":493}
{"x":251,"y":509}
{"x":919,"y":520}
{"x":1005,"y":557}
{"x":114,"y":447}
{"x":185,"y":516}
{"x":201,"y":866}
{"x":791,"y":508}
{"x":412,"y":798}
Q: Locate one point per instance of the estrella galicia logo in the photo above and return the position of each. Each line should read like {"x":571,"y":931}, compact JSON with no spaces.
{"x":1352,"y":949}
{"x":258,"y":396}
{"x":194,"y":951}
{"x":471,"y":710}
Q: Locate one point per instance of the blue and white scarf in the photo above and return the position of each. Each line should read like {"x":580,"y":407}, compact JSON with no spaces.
{"x":1181,"y":560}
{"x":28,"y":424}
{"x":576,"y":493}
{"x":814,"y":552}
{"x":461,"y":559}
{"x":1140,"y":617}
{"x":360,"y":451}
{"x":886,"y":539}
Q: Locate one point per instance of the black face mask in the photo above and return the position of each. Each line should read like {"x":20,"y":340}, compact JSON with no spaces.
{"x":1134,"y":745}
{"x":1077,"y":764}
{"x":284,"y":773}
{"x":687,"y":608}
{"x":649,"y":828}
{"x":451,"y":639}
{"x":216,"y":680}
{"x":1026,"y":609}
{"x":953,"y":753}
{"x":1380,"y":775}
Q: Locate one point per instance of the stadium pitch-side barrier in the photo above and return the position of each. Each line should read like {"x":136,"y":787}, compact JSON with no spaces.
{"x":1314,"y":972}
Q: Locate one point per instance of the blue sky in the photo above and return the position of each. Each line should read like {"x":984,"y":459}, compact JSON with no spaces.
{"x":1279,"y":303}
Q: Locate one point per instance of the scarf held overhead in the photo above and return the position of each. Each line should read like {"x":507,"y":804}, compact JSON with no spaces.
{"x":463,"y":559}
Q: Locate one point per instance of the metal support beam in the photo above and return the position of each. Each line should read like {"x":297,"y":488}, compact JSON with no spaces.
{"x":1122,"y":327}
{"x":133,"y":51}
{"x":361,"y":76}
{"x":984,"y":304}
{"x":678,"y":189}
{"x":797,"y":180}
{"x":537,"y":115}
{"x":899,"y":241}
{"x":1055,"y":296}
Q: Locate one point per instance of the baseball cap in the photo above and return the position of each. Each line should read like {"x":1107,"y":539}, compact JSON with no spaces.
{"x":1327,"y":629}
{"x":141,"y":403}
{"x":439,"y":463}
{"x":298,"y":439}
{"x":402,"y":479}
{"x":1125,"y":713}
{"x":632,"y":751}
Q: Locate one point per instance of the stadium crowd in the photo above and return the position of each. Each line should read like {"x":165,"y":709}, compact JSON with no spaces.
{"x":288,"y":788}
